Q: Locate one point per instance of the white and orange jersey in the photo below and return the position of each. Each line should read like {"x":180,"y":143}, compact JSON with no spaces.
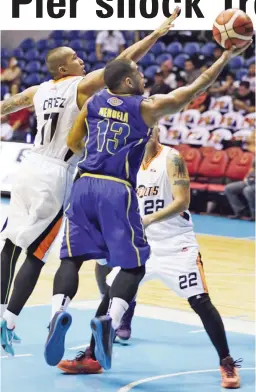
{"x":56,"y":108}
{"x":154,"y":193}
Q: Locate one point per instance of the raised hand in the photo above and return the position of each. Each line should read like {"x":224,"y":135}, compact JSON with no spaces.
{"x":168,"y":23}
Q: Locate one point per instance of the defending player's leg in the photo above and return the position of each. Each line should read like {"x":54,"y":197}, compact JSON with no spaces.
{"x":214,"y":327}
{"x":101,"y":273}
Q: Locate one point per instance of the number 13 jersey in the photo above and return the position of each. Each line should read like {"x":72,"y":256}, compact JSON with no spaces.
{"x":117,"y":135}
{"x":56,"y":109}
{"x":154,"y":193}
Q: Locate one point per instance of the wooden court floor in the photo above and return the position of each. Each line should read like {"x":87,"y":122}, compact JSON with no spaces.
{"x":229,"y":265}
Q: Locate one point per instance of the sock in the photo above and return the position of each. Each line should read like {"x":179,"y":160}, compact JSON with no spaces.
{"x":117,"y":309}
{"x":3,"y":308}
{"x":10,"y":318}
{"x":60,"y":302}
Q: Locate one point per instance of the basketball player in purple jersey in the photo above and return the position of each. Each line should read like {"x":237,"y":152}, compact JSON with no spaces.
{"x":103,"y":220}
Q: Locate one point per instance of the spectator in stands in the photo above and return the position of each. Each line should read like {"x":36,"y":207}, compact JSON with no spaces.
{"x":191,"y":72}
{"x":12,"y":74}
{"x":19,"y":121}
{"x":251,"y":77}
{"x":244,"y":99}
{"x":169,"y":75}
{"x":217,"y":52}
{"x":109,"y":42}
{"x":223,"y":88}
{"x":245,"y":188}
{"x":159,"y":87}
{"x":181,"y":82}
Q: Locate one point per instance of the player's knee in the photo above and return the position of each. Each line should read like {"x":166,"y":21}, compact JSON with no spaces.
{"x":138,"y":273}
{"x":200,"y":303}
{"x":31,"y":258}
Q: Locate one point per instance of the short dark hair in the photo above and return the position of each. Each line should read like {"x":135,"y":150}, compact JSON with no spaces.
{"x":116,"y":71}
{"x":245,"y":84}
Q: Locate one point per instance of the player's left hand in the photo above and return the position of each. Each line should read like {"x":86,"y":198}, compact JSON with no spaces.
{"x":147,"y":220}
{"x":168,"y":23}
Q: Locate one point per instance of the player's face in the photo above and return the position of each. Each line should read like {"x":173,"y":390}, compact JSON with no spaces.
{"x":154,"y":139}
{"x":74,"y":65}
{"x":138,"y":80}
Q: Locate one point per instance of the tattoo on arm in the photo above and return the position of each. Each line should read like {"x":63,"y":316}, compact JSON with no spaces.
{"x":184,"y":183}
{"x":180,"y":169}
{"x":15,"y":103}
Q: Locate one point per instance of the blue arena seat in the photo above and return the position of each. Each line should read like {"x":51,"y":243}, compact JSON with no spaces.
{"x":149,"y":72}
{"x":74,"y":34}
{"x":208,"y":48}
{"x":22,"y":64}
{"x":44,"y":44}
{"x":158,"y":48}
{"x":180,"y":60}
{"x":147,"y":60}
{"x":191,"y":48}
{"x":4,"y":90}
{"x":89,"y":46}
{"x":89,"y":35}
{"x":18,"y":53}
{"x":32,"y":79}
{"x":82,"y":54}
{"x":59,"y":34}
{"x":4,"y":53}
{"x":163,"y":57}
{"x":77,"y":44}
{"x":42,"y":56}
{"x":32,"y":55}
{"x":236,"y":62}
{"x":33,"y":66}
{"x":4,"y":63}
{"x":27,"y":44}
{"x":92,"y":58}
{"x":241,"y":73}
{"x":174,"y":48}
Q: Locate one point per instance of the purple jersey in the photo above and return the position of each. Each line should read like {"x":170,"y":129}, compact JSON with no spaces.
{"x":117,"y":136}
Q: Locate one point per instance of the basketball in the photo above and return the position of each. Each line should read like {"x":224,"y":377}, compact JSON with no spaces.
{"x":232,"y":27}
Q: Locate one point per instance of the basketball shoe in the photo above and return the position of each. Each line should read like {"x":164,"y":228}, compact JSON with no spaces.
{"x":55,"y":344}
{"x":82,"y":364}
{"x":104,"y":335}
{"x":229,"y":373}
{"x":124,"y":330}
{"x":7,"y":338}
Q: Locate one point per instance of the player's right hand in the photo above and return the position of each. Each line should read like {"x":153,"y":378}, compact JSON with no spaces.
{"x":168,"y":23}
{"x":233,"y":52}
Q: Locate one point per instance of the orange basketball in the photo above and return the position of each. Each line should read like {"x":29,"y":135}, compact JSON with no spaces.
{"x":232,"y":27}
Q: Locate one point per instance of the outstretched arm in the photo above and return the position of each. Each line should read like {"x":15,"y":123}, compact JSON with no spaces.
{"x":160,"y":105}
{"x":18,"y":101}
{"x":180,"y":189}
{"x":94,"y":81}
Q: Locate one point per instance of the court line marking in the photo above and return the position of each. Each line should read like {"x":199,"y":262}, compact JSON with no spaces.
{"x":133,"y":384}
{"x":17,"y":356}
{"x":78,"y":347}
{"x":197,"y":331}
{"x":250,"y":238}
{"x":177,"y":316}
